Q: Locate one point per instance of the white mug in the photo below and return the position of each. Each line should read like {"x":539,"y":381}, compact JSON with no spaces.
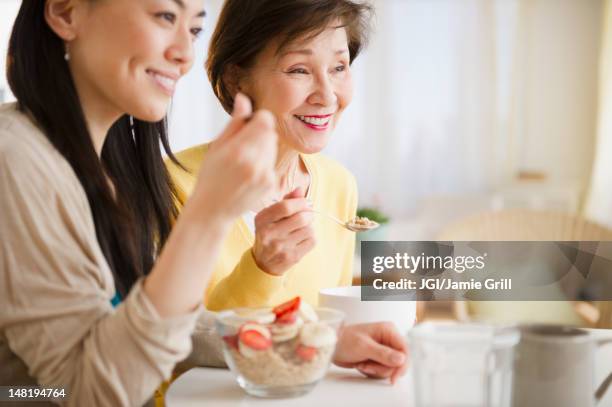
{"x":348,"y":300}
{"x":555,"y":366}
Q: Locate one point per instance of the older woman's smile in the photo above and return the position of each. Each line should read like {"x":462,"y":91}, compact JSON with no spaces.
{"x":316,"y":122}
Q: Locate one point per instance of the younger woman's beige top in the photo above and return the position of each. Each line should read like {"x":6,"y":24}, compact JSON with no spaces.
{"x":57,"y":325}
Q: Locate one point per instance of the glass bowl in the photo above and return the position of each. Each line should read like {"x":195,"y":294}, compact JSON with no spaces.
{"x":274,"y":359}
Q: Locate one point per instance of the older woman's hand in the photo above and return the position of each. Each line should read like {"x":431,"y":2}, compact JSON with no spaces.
{"x":283,"y":233}
{"x":377,"y":350}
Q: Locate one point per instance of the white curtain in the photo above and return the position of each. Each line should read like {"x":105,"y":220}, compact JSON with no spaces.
{"x":599,"y":203}
{"x":424,"y":119}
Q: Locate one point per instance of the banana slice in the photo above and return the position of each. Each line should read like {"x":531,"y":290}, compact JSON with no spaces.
{"x":317,"y":335}
{"x":285,"y":332}
{"x":308,"y":313}
{"x":261,"y":316}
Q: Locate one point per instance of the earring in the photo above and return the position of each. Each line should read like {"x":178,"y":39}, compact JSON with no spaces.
{"x":67,"y":54}
{"x":132,"y":128}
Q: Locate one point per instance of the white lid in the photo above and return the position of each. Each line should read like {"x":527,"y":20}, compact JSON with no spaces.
{"x":466,"y":334}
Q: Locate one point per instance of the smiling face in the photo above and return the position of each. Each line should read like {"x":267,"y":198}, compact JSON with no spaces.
{"x":307,"y":86}
{"x":127,"y":56}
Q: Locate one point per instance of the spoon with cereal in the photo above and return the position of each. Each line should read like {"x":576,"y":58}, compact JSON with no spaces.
{"x":357,"y":224}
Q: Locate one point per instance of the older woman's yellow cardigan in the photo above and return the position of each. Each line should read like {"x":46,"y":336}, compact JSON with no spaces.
{"x":238,"y":282}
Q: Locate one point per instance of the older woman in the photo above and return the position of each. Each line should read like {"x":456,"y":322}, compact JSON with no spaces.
{"x":292,"y":58}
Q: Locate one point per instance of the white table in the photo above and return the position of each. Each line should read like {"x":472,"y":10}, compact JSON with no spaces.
{"x":341,"y":388}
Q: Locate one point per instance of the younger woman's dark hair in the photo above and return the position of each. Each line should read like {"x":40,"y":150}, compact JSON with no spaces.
{"x":246,"y":27}
{"x":133,"y":222}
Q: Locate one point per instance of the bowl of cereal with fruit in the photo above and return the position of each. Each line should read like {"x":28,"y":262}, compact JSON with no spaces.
{"x":282,"y":351}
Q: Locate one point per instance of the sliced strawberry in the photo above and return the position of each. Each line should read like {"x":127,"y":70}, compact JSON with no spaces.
{"x":287,"y":318}
{"x":231,"y":341}
{"x":287,"y":307}
{"x":255,"y":340}
{"x":306,"y":353}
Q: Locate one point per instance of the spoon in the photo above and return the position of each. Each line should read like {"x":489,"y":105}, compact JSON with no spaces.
{"x":357,"y":224}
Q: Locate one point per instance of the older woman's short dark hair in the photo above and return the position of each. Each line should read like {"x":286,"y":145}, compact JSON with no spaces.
{"x":246,"y":27}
